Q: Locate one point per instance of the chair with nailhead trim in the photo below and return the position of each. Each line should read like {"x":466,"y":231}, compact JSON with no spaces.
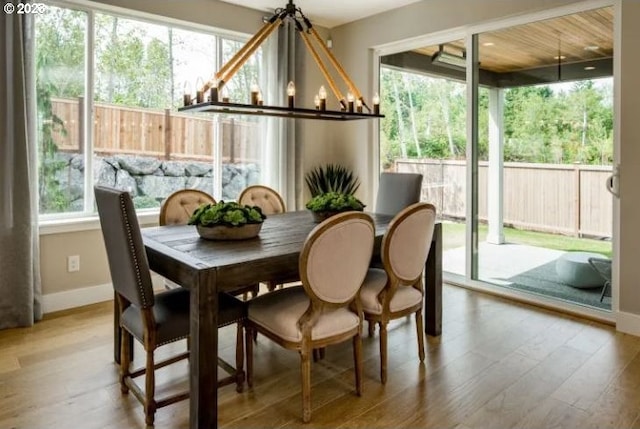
{"x":152,"y":319}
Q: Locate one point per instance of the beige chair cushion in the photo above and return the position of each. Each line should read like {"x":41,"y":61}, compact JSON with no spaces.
{"x":410,"y":243}
{"x":279,"y":312}
{"x":338,"y":260}
{"x":179,"y":206}
{"x":405,"y":297}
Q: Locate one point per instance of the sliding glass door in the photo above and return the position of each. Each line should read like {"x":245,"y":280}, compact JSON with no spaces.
{"x":543,"y":149}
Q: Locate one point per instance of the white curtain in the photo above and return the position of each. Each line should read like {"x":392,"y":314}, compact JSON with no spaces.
{"x":20,"y":290}
{"x":284,"y":153}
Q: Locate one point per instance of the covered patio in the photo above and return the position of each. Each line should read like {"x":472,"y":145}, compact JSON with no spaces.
{"x":526,"y":268}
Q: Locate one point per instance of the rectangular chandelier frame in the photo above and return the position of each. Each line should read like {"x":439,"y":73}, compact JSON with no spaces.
{"x":353,"y":105}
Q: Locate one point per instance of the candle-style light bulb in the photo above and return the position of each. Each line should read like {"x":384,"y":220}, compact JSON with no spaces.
{"x":255,"y":89}
{"x":291,"y":93}
{"x":322,"y":94}
{"x":199,"y":90}
{"x":350,"y":101}
{"x":187,"y":94}
{"x":291,"y":89}
{"x":213,"y":92}
{"x":260,"y":101}
{"x":376,"y":104}
{"x":359,"y":105}
{"x":316,"y":101}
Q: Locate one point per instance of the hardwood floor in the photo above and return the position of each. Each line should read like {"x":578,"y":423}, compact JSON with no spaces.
{"x":498,"y":364}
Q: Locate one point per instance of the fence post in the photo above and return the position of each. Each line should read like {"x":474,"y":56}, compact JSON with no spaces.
{"x":80,"y":125}
{"x":232,"y":141}
{"x":576,"y":169}
{"x":167,"y":134}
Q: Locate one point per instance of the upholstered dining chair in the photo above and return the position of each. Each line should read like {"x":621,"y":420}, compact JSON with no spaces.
{"x":178,"y":207}
{"x":397,"y":290}
{"x":152,"y":319}
{"x":397,"y":191}
{"x":326,"y":308}
{"x":270,"y":202}
{"x":264,"y":197}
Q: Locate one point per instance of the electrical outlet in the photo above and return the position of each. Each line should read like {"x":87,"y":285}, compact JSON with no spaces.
{"x":73,"y":263}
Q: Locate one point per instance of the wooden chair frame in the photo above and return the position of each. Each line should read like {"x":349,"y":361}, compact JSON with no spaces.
{"x":393,"y":283}
{"x":306,"y":322}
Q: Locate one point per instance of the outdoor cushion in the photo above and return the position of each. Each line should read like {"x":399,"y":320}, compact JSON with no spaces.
{"x":573,"y":268}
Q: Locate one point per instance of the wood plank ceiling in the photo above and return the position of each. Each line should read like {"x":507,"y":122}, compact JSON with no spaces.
{"x":576,"y":38}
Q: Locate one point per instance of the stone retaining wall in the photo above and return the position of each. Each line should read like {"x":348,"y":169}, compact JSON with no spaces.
{"x":149,"y":180}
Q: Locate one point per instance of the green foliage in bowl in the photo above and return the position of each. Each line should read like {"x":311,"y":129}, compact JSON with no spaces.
{"x":334,"y":202}
{"x":229,"y":214}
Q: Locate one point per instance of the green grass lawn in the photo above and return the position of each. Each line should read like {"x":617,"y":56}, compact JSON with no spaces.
{"x":454,"y":236}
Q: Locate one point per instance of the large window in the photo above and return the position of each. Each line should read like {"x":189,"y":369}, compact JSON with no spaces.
{"x":108,"y":87}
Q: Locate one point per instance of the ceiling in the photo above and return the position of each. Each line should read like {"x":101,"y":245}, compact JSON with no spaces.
{"x":577,"y":39}
{"x":329,"y":13}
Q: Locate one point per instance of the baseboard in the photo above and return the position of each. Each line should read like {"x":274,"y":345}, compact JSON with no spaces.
{"x":84,"y":296}
{"x":628,"y":323}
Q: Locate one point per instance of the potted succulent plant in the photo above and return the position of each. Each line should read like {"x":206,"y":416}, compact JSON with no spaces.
{"x":331,"y":178}
{"x":227,"y":221}
{"x":332,"y":188}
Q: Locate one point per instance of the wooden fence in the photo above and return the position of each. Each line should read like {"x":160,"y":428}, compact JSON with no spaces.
{"x":160,"y":133}
{"x":565,"y":199}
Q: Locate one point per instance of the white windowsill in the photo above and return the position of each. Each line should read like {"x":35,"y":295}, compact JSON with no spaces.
{"x":89,"y":223}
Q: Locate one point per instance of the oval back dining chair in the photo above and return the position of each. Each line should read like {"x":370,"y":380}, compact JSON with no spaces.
{"x":264,"y":197}
{"x":179,"y":206}
{"x":397,"y":290}
{"x":326,"y":309}
{"x":152,"y":319}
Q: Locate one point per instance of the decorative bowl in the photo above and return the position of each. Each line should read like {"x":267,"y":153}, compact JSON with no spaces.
{"x":322,"y":216}
{"x":224,"y":232}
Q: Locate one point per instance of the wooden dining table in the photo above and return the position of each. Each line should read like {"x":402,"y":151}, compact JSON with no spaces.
{"x":207,"y":267}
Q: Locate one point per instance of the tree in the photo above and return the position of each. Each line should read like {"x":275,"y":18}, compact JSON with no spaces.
{"x":542,"y":124}
{"x":59,"y":61}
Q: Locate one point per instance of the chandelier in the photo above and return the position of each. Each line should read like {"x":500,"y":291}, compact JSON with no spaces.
{"x":352,"y":105}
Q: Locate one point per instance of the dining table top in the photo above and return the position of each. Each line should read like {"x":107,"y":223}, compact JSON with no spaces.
{"x":279,"y":242}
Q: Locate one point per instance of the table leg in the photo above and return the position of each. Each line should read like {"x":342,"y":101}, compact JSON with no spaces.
{"x":203,"y":357}
{"x":433,"y":285}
